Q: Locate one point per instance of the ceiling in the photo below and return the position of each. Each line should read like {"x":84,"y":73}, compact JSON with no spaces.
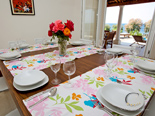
{"x":126,"y":2}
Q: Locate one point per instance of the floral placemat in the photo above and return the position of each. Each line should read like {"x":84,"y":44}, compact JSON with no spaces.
{"x":45,"y":60}
{"x":35,"y":47}
{"x":80,"y":99}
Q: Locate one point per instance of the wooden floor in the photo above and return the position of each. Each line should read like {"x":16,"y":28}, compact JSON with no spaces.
{"x":6,"y":103}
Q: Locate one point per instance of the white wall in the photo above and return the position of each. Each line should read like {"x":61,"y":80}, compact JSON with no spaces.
{"x":13,"y":27}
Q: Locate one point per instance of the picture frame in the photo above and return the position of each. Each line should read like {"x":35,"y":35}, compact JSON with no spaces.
{"x":22,"y":7}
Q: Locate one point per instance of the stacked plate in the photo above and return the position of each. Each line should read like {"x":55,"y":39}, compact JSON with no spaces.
{"x":113,"y":97}
{"x":145,"y":66}
{"x":51,"y":42}
{"x":77,"y":43}
{"x":25,"y":45}
{"x":10,"y":55}
{"x":115,"y":50}
{"x":29,"y":80}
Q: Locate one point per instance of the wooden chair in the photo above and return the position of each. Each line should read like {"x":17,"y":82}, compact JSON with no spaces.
{"x":138,"y":39}
{"x":106,"y":31}
{"x":109,"y":36}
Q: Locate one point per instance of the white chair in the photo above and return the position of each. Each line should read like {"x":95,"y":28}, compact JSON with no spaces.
{"x":38,"y":40}
{"x":13,"y":113}
{"x":87,"y":41}
{"x":125,"y":49}
{"x":3,"y":85}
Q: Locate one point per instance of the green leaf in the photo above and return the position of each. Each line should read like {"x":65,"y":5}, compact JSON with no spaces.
{"x":57,"y":96}
{"x":75,"y":102}
{"x":76,"y":107}
{"x":101,"y":85}
{"x":121,"y":72}
{"x":68,"y":108}
{"x":67,"y":99}
{"x":124,"y":62}
{"x":62,"y":99}
{"x":130,"y":63}
{"x":148,"y":93}
{"x":100,"y":82}
{"x":115,"y":114}
{"x":140,"y":90}
{"x":126,"y":73}
{"x":91,"y":82}
{"x":52,"y":98}
{"x":97,"y":85}
{"x":151,"y":91}
{"x":86,"y":78}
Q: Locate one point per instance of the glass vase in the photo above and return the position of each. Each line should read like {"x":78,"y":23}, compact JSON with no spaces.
{"x":62,"y":47}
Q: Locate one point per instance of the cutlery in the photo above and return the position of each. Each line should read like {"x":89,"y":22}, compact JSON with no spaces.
{"x":118,"y":81}
{"x":51,"y":93}
{"x":38,"y":94}
{"x":105,"y":109}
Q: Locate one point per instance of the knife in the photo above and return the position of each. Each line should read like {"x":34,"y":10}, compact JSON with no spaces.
{"x":38,"y":94}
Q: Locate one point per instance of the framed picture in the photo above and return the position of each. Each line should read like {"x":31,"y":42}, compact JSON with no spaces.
{"x":22,"y":7}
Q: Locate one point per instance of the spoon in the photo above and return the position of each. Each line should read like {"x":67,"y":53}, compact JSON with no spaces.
{"x":51,"y":93}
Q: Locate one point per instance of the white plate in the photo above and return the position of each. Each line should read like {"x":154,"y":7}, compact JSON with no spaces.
{"x":77,"y":43}
{"x":114,"y":50}
{"x":146,"y":71}
{"x":10,"y":54}
{"x":24,"y":45}
{"x":115,"y":94}
{"x":116,"y":109}
{"x":30,"y":77}
{"x":11,"y":58}
{"x":27,"y":88}
{"x":51,"y":42}
{"x":146,"y":65}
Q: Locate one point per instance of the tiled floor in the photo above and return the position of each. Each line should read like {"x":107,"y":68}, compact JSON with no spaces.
{"x":6,"y":103}
{"x":128,"y":41}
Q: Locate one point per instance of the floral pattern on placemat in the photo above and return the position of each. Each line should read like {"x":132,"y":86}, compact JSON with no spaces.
{"x":45,"y":60}
{"x":35,"y":47}
{"x":80,"y":99}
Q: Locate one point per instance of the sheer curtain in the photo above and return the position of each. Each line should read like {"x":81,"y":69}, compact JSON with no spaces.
{"x":89,"y":19}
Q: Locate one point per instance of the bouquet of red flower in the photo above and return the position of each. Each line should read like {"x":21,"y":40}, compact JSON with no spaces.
{"x":62,"y":31}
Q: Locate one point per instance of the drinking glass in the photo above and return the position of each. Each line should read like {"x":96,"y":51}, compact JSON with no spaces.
{"x":135,"y":50}
{"x":101,"y":45}
{"x":44,"y":42}
{"x":55,"y":68}
{"x":111,"y":61}
{"x":69,"y":69}
{"x":12,"y":46}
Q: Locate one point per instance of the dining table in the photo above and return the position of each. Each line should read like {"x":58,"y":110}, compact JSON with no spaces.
{"x":83,"y":65}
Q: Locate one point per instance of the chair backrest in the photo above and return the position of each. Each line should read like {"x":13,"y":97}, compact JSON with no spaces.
{"x":86,"y":41}
{"x":106,"y":31}
{"x":38,"y":40}
{"x":138,"y":38}
{"x":110,"y":35}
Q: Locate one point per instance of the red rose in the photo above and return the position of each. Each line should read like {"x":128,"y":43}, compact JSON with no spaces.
{"x":58,"y":27}
{"x":70,"y":36}
{"x":51,"y":26}
{"x":70,"y":25}
{"x":49,"y":33}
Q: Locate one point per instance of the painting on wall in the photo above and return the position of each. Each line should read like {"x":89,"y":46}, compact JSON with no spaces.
{"x":22,"y":7}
